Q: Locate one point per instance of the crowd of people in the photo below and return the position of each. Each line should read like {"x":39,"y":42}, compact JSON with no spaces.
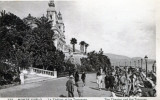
{"x":126,"y":81}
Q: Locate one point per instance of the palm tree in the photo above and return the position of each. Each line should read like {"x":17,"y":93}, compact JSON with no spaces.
{"x":86,"y":45}
{"x":82,"y":43}
{"x":73,"y":42}
{"x":43,"y":22}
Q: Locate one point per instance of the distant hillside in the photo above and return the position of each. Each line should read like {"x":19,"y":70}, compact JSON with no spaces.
{"x":114,"y":56}
{"x":120,"y":59}
{"x":117,"y":59}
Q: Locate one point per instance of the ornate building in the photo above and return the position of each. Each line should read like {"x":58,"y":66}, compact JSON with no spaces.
{"x":57,"y":26}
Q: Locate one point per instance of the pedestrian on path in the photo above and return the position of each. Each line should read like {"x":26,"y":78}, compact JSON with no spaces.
{"x":83,"y":77}
{"x":106,"y":81}
{"x":123,"y":83}
{"x":80,"y":86}
{"x":111,"y":81}
{"x":99,"y":80}
{"x":129,"y":85}
{"x":70,"y":86}
{"x":76,"y":77}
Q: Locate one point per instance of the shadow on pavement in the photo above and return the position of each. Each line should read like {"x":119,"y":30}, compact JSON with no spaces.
{"x":93,"y":82}
{"x":94,"y":88}
{"x":62,"y":95}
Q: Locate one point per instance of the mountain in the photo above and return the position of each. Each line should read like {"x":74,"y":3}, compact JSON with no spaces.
{"x":121,"y":60}
{"x":114,"y":56}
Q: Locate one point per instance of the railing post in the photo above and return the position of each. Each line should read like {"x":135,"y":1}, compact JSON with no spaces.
{"x":55,"y":73}
{"x":22,"y":78}
{"x":32,"y":70}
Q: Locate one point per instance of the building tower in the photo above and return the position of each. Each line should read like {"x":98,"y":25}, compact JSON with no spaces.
{"x":57,"y":26}
{"x":51,"y":12}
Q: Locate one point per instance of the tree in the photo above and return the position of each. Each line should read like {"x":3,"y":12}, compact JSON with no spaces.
{"x":44,"y":52}
{"x":43,"y":23}
{"x":86,"y":46}
{"x":73,"y":41}
{"x":12,"y":31}
{"x":82,"y":43}
{"x":94,"y":61}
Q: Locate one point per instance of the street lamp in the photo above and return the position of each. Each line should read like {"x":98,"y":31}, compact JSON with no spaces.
{"x":154,"y":67}
{"x":146,"y":59}
{"x":135,"y":63}
{"x":138,"y":64}
{"x":141,"y":62}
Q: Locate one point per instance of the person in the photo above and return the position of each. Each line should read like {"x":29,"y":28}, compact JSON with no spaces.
{"x":106,"y":81}
{"x":99,"y":80}
{"x":116,"y":83}
{"x":83,"y":77}
{"x":124,"y":84}
{"x":111,"y":81}
{"x":80,"y":86}
{"x":129,"y":85}
{"x":76,"y":76}
{"x":134,"y":81}
{"x":138,"y":91}
{"x":70,"y":86}
{"x":70,"y":73}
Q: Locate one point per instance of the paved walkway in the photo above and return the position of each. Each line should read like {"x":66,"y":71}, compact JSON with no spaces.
{"x":54,"y":88}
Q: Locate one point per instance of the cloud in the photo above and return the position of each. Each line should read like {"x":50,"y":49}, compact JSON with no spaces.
{"x":125,"y":27}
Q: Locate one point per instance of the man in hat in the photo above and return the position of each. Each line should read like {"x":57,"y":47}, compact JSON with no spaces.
{"x":70,"y":86}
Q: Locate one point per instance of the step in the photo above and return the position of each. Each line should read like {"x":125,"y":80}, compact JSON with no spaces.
{"x":34,"y":78}
{"x":30,"y":75}
{"x":37,"y":80}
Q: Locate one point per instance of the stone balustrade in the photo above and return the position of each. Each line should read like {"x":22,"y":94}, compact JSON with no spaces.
{"x":43,"y":72}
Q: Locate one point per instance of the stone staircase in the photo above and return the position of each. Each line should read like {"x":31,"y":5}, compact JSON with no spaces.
{"x":33,"y":78}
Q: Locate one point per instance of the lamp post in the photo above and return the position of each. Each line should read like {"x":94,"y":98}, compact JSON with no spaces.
{"x":138,"y":64}
{"x":141,"y":62}
{"x":154,"y":67}
{"x":146,"y":59}
{"x":135,"y":63}
{"x":130,"y":63}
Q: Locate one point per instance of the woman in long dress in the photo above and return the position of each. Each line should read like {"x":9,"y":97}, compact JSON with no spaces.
{"x":99,"y":80}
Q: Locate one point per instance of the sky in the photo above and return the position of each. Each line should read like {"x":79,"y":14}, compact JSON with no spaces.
{"x":123,"y":27}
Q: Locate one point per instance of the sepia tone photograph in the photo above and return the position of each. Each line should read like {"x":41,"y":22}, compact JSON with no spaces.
{"x":78,"y":48}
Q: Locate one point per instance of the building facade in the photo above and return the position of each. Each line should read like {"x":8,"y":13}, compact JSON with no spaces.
{"x":57,"y":26}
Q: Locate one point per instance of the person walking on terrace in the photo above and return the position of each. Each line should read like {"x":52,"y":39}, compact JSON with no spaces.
{"x":99,"y":80}
{"x":106,"y":81}
{"x":76,"y":76}
{"x":70,"y":86}
{"x":83,"y":77}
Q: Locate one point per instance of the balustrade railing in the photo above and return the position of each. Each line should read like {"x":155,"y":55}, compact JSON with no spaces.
{"x":42,"y":71}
